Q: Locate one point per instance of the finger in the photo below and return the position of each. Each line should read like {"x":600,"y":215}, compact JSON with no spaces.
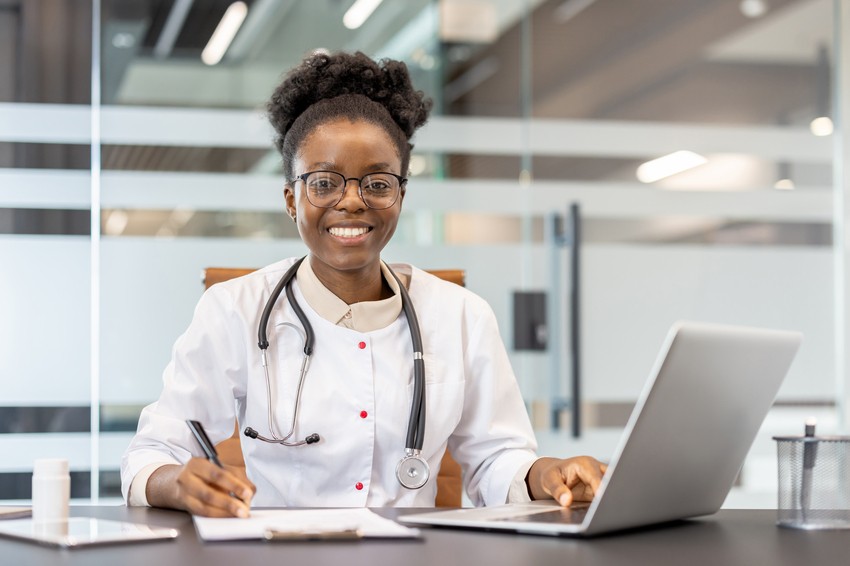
{"x":223,"y":480}
{"x":239,"y":472}
{"x":210,"y":501}
{"x":554,"y":482}
{"x":586,"y":471}
{"x":563,"y":495}
{"x":572,"y":479}
{"x":196,"y":506}
{"x":198,"y":482}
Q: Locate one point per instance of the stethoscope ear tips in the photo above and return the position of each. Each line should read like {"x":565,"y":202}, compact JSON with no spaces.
{"x":251,"y":433}
{"x":312,"y":438}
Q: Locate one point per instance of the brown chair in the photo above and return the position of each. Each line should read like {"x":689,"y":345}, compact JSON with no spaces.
{"x":449,"y":482}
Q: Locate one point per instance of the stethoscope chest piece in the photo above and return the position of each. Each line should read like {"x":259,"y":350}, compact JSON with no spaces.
{"x":412,"y":470}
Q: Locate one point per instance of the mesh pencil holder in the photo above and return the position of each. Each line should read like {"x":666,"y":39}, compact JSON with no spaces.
{"x":814,"y":481}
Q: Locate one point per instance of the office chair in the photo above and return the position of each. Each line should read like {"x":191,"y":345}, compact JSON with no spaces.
{"x":449,"y":482}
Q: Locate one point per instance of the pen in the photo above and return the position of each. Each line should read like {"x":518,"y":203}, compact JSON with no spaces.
{"x":809,"y":455}
{"x":201,"y":436}
{"x":207,"y":446}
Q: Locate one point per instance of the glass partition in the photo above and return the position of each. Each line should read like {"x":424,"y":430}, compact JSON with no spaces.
{"x":538,"y":105}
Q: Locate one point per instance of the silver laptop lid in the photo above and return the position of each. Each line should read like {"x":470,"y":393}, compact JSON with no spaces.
{"x":691,"y":428}
{"x":693,"y":424}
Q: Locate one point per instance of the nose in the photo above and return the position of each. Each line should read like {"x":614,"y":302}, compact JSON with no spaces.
{"x":351,"y":200}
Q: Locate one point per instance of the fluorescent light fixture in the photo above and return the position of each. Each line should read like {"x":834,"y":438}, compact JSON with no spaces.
{"x":821,"y":126}
{"x":753,"y":8}
{"x":668,"y":165}
{"x":224,"y":33}
{"x":359,"y":13}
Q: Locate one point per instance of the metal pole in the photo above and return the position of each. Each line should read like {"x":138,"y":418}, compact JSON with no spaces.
{"x":575,"y":316}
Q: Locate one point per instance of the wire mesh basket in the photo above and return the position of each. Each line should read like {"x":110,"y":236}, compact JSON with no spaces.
{"x":814,"y":481}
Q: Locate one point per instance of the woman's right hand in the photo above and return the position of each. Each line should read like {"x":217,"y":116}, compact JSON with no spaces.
{"x":202,"y":488}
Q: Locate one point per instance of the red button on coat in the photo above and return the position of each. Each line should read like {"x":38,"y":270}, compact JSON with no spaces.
{"x":363,"y":414}
{"x":358,"y":486}
{"x":362,"y":345}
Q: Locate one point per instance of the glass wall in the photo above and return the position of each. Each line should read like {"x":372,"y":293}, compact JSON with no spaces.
{"x":111,"y":205}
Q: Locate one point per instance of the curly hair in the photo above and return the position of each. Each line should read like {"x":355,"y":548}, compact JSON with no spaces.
{"x":325,"y":87}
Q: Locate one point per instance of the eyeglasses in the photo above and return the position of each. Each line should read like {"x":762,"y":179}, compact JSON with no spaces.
{"x":378,"y":191}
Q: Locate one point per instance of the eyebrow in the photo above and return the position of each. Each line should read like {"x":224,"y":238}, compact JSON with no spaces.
{"x":327,"y":166}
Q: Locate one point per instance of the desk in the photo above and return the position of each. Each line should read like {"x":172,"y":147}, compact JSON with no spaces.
{"x":728,"y":538}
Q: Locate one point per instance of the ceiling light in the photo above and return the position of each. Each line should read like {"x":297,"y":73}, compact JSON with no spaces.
{"x":783,"y":176}
{"x":668,"y":165}
{"x":821,"y":126}
{"x":123,"y":40}
{"x":418,"y":165}
{"x":753,"y":8}
{"x":359,"y":13}
{"x":224,"y":33}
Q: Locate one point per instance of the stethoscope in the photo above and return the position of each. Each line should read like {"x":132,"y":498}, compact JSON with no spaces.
{"x":412,"y":470}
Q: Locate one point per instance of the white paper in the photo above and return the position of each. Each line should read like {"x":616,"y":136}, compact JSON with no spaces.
{"x":367,"y":522}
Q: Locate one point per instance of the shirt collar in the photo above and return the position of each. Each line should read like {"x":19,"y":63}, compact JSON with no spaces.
{"x":364,"y":316}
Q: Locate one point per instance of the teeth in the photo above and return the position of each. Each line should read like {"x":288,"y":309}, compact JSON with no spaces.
{"x":347,"y":232}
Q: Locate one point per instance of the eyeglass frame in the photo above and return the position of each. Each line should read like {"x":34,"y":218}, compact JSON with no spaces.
{"x":303,"y":178}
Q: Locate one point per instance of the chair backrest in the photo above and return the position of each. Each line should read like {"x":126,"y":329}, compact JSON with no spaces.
{"x":213,"y":275}
{"x":449,"y":481}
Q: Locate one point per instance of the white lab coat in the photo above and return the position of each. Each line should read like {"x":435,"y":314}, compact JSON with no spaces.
{"x":356,"y":396}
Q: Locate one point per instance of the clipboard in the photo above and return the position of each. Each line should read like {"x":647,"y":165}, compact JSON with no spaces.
{"x":83,"y":531}
{"x":275,"y":535}
{"x":281,"y":525}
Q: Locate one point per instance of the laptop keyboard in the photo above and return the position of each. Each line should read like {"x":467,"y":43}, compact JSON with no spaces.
{"x":572,"y":515}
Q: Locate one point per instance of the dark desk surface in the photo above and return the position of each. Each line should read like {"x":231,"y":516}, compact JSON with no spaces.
{"x":727,"y":538}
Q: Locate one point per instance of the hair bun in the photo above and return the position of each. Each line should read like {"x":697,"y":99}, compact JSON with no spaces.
{"x":323,"y":76}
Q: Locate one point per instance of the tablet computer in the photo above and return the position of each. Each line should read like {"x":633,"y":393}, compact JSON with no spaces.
{"x":83,"y":531}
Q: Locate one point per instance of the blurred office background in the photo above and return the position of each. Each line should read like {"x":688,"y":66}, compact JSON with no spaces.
{"x":132,"y":155}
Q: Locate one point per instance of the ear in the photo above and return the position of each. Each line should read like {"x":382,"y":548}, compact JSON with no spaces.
{"x":289,"y":197}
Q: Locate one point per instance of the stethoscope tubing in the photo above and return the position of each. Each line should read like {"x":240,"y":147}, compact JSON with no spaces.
{"x":262,"y":335}
{"x":416,"y":423}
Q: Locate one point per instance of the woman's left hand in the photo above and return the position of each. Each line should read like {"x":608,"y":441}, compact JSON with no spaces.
{"x":565,"y":481}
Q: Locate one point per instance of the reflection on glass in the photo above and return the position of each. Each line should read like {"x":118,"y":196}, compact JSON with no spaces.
{"x":153,"y":51}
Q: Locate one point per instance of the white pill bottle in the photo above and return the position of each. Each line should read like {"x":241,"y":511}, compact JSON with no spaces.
{"x":51,"y":490}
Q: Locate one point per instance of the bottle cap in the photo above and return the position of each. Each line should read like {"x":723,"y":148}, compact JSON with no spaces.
{"x":50,"y":466}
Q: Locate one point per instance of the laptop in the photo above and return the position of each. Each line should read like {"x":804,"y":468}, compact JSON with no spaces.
{"x":685,"y":442}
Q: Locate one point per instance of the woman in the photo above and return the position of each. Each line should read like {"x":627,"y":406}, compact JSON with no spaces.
{"x":343,"y":126}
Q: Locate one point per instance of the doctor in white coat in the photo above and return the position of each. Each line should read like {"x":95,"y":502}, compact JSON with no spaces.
{"x":343,"y":125}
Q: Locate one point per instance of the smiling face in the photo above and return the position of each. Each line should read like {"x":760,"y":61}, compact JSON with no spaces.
{"x":346,"y":239}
